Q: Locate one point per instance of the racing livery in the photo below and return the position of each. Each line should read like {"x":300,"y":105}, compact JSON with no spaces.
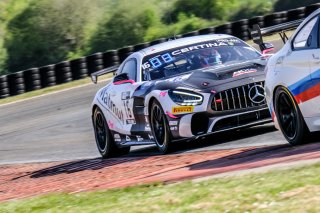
{"x":182,"y":89}
{"x":293,"y":83}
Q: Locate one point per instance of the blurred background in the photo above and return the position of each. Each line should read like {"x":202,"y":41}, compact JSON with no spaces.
{"x":34,"y":33}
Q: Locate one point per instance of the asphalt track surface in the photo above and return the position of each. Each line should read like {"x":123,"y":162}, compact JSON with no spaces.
{"x":58,"y":127}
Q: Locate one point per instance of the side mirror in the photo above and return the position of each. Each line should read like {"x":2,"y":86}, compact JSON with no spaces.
{"x":266,"y":48}
{"x":122,"y":78}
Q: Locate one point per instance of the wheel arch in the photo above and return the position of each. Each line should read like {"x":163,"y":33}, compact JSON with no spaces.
{"x":284,"y":87}
{"x":151,"y":100}
{"x":94,"y":107}
{"x":293,"y":99}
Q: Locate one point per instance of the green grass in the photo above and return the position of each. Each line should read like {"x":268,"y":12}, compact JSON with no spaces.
{"x":290,"y":190}
{"x":52,"y":89}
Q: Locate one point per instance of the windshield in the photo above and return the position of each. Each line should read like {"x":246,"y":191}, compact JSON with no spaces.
{"x":198,"y":56}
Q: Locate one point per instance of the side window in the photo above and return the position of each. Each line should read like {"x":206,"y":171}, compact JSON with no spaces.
{"x":307,"y":37}
{"x":130,"y":67}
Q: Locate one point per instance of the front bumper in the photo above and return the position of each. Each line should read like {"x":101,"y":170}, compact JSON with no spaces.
{"x":198,"y":124}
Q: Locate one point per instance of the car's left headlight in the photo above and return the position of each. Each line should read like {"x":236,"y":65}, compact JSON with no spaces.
{"x":185,"y":98}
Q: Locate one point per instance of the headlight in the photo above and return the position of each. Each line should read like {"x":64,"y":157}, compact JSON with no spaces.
{"x":185,"y":98}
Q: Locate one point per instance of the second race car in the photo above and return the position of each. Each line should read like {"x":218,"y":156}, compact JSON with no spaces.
{"x":182,"y":89}
{"x":293,"y":82}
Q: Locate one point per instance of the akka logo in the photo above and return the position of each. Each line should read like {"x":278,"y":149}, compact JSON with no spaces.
{"x":162,"y":93}
{"x":110,"y":124}
{"x":243,"y":71}
{"x":182,"y":109}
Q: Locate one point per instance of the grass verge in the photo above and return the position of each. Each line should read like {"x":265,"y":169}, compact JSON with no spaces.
{"x":290,"y":190}
{"x":52,"y":89}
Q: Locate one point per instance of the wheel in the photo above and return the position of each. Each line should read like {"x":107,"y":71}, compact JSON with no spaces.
{"x":104,"y":140}
{"x":290,"y":119}
{"x":160,"y":128}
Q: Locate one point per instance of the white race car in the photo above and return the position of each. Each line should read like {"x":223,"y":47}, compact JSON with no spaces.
{"x":180,"y":90}
{"x":293,"y":82}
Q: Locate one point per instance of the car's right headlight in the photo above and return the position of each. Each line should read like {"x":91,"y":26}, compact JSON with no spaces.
{"x":185,"y":98}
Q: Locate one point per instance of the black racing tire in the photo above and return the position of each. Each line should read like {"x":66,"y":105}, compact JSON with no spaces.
{"x":104,"y":139}
{"x":289,"y":117}
{"x":160,"y":128}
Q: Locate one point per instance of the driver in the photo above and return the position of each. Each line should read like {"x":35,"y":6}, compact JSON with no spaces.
{"x":210,"y":57}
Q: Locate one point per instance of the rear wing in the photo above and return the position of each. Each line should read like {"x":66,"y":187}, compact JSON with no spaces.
{"x":95,"y":75}
{"x":257,"y":32}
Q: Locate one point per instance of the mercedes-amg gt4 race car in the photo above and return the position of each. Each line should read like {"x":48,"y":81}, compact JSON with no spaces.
{"x":293,"y":82}
{"x":182,"y":89}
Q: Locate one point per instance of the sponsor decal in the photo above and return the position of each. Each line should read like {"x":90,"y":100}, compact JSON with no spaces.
{"x":243,"y":71}
{"x":117,"y":137}
{"x":127,"y":109}
{"x":171,"y":115}
{"x":150,"y":137}
{"x":147,"y":127}
{"x":139,"y":138}
{"x":182,"y":109}
{"x":216,"y":43}
{"x":173,"y":123}
{"x":131,"y":121}
{"x":128,"y":138}
{"x":110,"y":124}
{"x":179,"y":78}
{"x":163,"y":94}
{"x":125,"y":95}
{"x":306,"y":88}
{"x":173,"y":128}
{"x":167,"y":57}
{"x":106,"y":98}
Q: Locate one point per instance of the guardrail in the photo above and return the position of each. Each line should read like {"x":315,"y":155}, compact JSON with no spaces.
{"x":66,"y":71}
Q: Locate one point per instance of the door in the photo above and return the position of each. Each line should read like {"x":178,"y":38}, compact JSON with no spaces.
{"x":304,"y":48}
{"x":314,"y":63}
{"x":121,"y":101}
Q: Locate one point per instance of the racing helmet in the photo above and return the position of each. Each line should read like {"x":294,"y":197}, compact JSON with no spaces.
{"x":210,"y":57}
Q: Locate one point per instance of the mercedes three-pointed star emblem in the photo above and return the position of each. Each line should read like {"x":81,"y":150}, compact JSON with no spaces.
{"x":256,"y":94}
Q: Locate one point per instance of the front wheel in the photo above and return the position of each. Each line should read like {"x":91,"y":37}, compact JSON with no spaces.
{"x":160,"y":128}
{"x":290,"y":119}
{"x":104,"y":140}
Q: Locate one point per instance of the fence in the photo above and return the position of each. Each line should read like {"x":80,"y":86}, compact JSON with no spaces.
{"x":66,"y":71}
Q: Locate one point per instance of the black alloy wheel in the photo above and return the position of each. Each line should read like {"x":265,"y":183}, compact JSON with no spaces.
{"x":160,"y":128}
{"x":101,"y":131}
{"x":290,"y":119}
{"x":104,"y":140}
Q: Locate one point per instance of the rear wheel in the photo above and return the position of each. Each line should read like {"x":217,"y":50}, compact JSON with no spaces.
{"x":160,"y":128}
{"x":104,"y":140}
{"x":290,"y":119}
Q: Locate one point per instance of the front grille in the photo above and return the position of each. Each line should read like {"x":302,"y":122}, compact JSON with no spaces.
{"x":238,"y":97}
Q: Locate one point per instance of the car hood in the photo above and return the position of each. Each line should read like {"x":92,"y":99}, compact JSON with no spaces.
{"x":208,"y":78}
